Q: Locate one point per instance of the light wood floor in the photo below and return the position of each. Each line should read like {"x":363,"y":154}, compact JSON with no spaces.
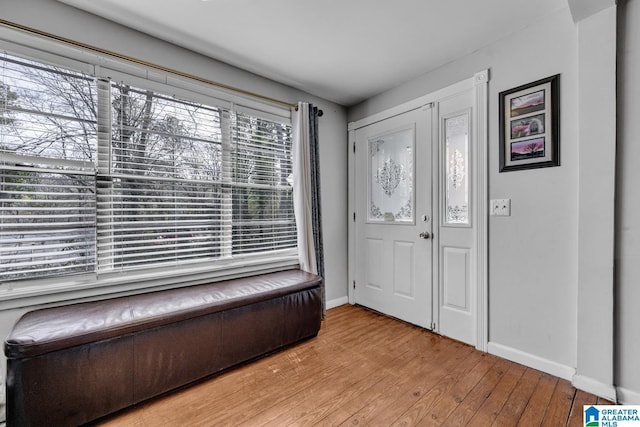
{"x":370,"y":370}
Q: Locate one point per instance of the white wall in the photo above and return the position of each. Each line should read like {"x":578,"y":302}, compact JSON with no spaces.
{"x":62,"y":20}
{"x":628,"y":205}
{"x":532,"y":253}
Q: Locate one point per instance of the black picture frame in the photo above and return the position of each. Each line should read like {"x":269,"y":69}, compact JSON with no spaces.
{"x":530,"y":125}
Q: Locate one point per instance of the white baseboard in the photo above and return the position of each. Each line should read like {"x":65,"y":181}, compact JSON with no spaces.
{"x":593,"y":386}
{"x":337,"y":302}
{"x":532,"y":361}
{"x":588,"y":384}
{"x":628,"y":397}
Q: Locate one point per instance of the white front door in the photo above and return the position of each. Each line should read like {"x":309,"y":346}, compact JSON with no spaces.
{"x":393,"y":216}
{"x":423,"y":171}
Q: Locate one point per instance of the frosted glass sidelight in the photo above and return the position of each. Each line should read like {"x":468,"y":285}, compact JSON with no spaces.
{"x":456,"y":166}
{"x":391,"y":177}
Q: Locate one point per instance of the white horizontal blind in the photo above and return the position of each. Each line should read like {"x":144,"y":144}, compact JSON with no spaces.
{"x":47,"y":180}
{"x":48,"y":223}
{"x":188,"y":182}
{"x":98,"y":176}
{"x":161,"y":200}
{"x":263,"y":217}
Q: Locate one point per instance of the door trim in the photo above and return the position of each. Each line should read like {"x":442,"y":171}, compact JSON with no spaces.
{"x":479,"y":83}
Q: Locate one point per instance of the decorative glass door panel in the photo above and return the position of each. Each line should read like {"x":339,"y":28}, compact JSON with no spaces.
{"x":456,"y":182}
{"x":391,"y":160}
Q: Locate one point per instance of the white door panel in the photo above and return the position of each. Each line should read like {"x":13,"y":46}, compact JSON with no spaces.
{"x":393,"y":269}
{"x":457,"y":283}
{"x":455,"y":278}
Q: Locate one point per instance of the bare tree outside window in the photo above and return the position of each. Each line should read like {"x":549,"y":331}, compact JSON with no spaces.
{"x":47,"y":135}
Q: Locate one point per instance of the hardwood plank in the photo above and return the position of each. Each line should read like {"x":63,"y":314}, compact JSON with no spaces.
{"x":422,"y":388}
{"x":492,"y":406}
{"x":407,"y":366}
{"x":518,"y":400}
{"x":448,"y":403}
{"x":321,"y":395}
{"x":368,"y":369}
{"x":407,"y":390}
{"x":322,"y":391}
{"x":534,"y":411}
{"x":581,"y":398}
{"x":253,"y":399}
{"x":557,"y":413}
{"x":341,"y":405}
{"x":251,"y":404}
{"x":425,"y":345}
{"x":421,"y":408}
{"x":468,"y":407}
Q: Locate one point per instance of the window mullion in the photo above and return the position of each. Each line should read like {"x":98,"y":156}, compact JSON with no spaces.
{"x":104,"y":127}
{"x":104,"y":190}
{"x":226,"y":208}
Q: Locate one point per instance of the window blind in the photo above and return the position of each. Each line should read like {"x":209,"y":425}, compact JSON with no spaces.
{"x":105,"y":176}
{"x":47,"y":182}
{"x":160,"y":201}
{"x":47,"y":223}
{"x":263,"y":214}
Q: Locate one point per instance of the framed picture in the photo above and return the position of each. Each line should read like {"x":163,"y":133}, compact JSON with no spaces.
{"x":529,"y":125}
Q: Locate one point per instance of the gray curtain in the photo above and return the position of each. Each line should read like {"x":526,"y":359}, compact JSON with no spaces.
{"x":315,"y":195}
{"x":315,"y":189}
{"x":306,"y":190}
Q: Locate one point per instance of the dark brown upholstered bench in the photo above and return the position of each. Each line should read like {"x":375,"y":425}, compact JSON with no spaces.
{"x":72,"y":364}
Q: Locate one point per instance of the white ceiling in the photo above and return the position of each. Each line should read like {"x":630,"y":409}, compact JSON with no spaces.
{"x":342,"y":50}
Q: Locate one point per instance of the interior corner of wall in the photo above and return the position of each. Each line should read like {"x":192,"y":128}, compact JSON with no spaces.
{"x":627,"y":396}
{"x":337,"y":302}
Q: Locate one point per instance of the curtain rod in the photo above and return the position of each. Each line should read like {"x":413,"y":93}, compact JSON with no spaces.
{"x":64,"y":40}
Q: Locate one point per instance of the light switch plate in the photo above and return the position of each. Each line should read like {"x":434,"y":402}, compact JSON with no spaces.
{"x":501,"y":207}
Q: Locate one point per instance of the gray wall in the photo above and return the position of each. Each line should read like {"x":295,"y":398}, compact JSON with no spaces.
{"x":61,"y":20}
{"x":628,"y":202}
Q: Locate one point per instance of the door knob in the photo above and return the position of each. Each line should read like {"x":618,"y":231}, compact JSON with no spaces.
{"x":425,"y":235}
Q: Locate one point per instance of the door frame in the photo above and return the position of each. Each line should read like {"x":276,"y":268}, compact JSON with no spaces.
{"x":479,"y":84}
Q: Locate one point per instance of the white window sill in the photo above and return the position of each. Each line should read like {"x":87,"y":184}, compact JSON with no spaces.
{"x":83,"y":288}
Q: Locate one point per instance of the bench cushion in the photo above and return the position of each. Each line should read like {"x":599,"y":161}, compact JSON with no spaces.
{"x":50,"y":329}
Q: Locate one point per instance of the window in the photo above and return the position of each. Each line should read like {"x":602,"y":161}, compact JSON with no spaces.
{"x":99,"y":176}
{"x":456,"y":168}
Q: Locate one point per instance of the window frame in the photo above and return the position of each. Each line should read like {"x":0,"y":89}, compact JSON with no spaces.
{"x":27,"y":292}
